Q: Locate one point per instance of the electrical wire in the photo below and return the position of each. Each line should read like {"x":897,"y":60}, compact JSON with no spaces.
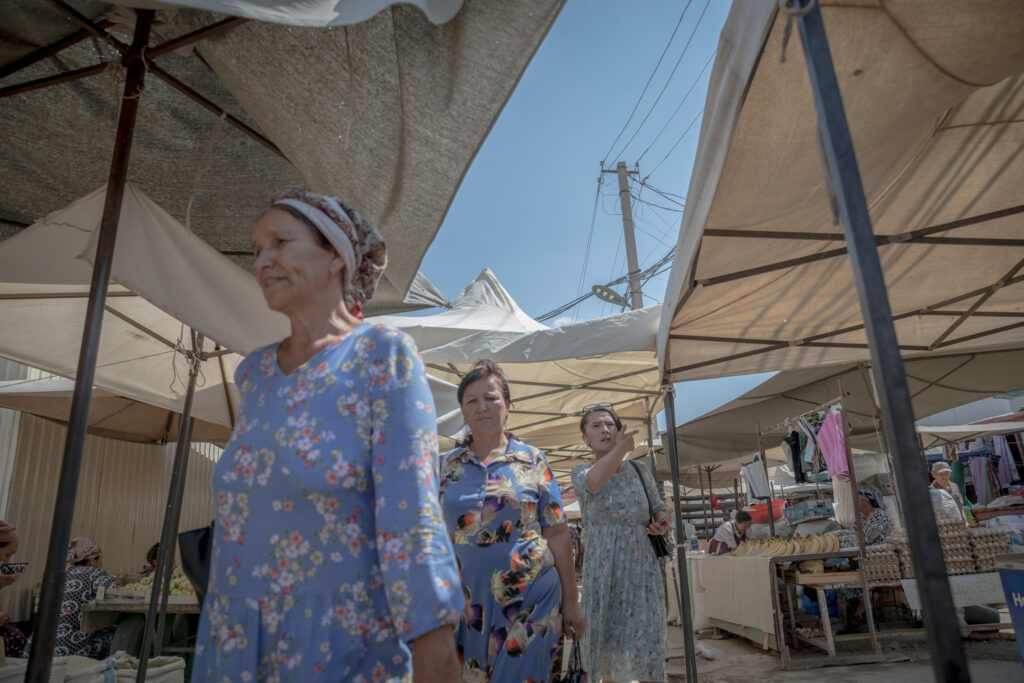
{"x":673,"y":148}
{"x":665,"y":87}
{"x":647,"y":85}
{"x":667,"y":195}
{"x":590,"y":236}
{"x":678,"y":107}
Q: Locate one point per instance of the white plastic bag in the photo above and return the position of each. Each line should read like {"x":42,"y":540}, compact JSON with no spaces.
{"x":160,"y":669}
{"x":86,"y":670}
{"x":14,"y":670}
{"x":944,"y":506}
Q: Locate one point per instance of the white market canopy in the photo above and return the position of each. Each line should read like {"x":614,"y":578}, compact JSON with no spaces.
{"x":387,"y":113}
{"x":167,"y":280}
{"x":933,"y":93}
{"x":936,"y":384}
{"x":935,"y":435}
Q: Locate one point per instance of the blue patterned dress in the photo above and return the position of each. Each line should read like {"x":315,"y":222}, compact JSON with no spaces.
{"x":330,"y":554}
{"x":512,"y":620}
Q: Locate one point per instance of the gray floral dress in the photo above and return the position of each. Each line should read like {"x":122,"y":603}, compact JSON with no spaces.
{"x":623,"y":594}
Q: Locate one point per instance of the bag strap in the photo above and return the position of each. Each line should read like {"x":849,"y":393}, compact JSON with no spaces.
{"x":647,"y":494}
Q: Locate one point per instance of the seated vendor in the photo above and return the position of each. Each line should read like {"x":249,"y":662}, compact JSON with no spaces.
{"x":877,"y":524}
{"x":730,"y":534}
{"x":151,"y":556}
{"x":941,"y":473}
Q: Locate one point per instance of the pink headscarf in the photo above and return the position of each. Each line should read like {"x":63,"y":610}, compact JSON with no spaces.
{"x":82,"y":548}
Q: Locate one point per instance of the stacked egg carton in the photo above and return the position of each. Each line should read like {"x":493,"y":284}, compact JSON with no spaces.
{"x":847,"y":538}
{"x":986,"y":543}
{"x":956,"y":548}
{"x":881,"y":563}
{"x":898,"y":540}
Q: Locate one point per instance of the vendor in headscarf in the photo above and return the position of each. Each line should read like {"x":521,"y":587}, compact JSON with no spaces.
{"x":14,"y":639}
{"x":81,"y":579}
{"x":730,"y":534}
{"x":877,"y":524}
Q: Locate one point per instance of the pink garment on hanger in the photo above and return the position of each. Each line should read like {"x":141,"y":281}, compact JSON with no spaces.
{"x":833,"y":444}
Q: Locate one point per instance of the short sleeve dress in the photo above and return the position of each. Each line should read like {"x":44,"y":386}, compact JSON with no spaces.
{"x":512,"y":620}
{"x":623,"y":594}
{"x":330,"y":554}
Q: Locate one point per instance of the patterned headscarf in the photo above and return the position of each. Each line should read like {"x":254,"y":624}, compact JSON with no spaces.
{"x":352,"y":236}
{"x":82,"y":548}
{"x":872,"y":494}
{"x":7,"y":532}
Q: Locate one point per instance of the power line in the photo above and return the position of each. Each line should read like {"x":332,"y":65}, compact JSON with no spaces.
{"x":667,"y":195}
{"x":679,"y":106}
{"x":665,"y":87}
{"x":678,"y":141}
{"x":590,"y":236}
{"x":646,"y":85}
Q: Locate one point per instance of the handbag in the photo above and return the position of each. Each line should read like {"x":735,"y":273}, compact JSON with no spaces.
{"x":661,"y":547}
{"x":575,"y":672}
{"x":195,"y":546}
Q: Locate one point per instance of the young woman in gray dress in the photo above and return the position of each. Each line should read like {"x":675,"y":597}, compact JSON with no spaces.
{"x":623,"y":594}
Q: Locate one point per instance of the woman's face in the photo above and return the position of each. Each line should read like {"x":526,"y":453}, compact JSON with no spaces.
{"x":291,"y":266}
{"x":7,"y":552}
{"x":942,"y":478}
{"x":484,"y":407}
{"x":599,"y":431}
{"x":866,"y":508}
{"x":742,"y":527}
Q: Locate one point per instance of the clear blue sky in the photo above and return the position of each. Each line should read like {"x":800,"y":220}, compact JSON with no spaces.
{"x":524,"y":209}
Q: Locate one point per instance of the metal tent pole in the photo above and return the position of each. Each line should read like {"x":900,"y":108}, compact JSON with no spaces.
{"x":947,"y":653}
{"x":157,"y":612}
{"x":51,"y":594}
{"x":684,"y":582}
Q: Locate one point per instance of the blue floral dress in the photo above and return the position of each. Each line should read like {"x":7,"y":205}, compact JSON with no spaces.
{"x":330,"y":554}
{"x":512,"y":620}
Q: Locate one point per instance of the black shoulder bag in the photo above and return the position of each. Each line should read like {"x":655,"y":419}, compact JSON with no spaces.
{"x":661,"y":547}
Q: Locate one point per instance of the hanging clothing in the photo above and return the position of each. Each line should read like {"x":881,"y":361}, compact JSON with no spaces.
{"x":1004,"y":468}
{"x":757,"y":480}
{"x":725,"y":540}
{"x":980,"y":472}
{"x":832,"y":441}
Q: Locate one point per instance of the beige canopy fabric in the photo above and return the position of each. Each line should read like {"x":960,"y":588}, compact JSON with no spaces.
{"x":166,"y":281}
{"x":934,"y":93}
{"x":936,"y":384}
{"x":387,"y":114}
{"x":112,"y":416}
{"x":936,"y":435}
{"x":307,"y":12}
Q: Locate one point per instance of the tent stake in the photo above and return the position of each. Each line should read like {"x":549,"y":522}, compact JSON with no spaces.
{"x":172,"y":517}
{"x":51,"y":594}
{"x":947,"y":652}
{"x":684,"y":583}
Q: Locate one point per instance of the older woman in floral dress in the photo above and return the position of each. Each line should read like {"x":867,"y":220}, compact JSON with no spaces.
{"x":331,"y":561}
{"x":504,"y":511}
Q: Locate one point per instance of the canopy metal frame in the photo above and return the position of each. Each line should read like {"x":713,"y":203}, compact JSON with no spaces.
{"x":137,"y":59}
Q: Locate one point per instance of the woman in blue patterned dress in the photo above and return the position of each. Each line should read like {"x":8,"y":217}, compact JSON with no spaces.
{"x":504,"y":512}
{"x":331,"y":561}
{"x":623,"y":593}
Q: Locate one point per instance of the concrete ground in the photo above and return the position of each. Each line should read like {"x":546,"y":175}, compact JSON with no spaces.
{"x":737,"y":660}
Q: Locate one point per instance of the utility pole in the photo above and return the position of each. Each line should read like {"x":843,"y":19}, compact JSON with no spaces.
{"x":636,"y":298}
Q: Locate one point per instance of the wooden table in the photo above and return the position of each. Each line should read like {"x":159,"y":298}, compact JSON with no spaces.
{"x":128,"y":614}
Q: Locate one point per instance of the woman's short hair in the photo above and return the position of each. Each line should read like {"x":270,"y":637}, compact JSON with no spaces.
{"x":601,"y":408}
{"x":743,"y":516}
{"x":481,"y":370}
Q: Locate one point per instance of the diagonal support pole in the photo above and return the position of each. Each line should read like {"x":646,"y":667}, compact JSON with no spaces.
{"x":51,"y":595}
{"x":947,"y":652}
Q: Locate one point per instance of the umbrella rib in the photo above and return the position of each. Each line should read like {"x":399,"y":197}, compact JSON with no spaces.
{"x":86,"y":23}
{"x":47,"y":51}
{"x":75,"y":74}
{"x":939,"y":378}
{"x":209,"y":105}
{"x":195,"y":36}
{"x":224,"y":383}
{"x":986,"y":333}
{"x":139,"y":326}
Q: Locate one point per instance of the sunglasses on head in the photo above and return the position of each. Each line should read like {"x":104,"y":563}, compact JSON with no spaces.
{"x":597,"y":406}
